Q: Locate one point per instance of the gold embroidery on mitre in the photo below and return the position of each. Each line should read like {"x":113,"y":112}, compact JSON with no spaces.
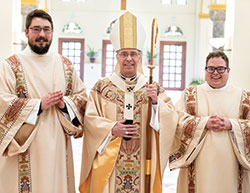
{"x":128,"y":31}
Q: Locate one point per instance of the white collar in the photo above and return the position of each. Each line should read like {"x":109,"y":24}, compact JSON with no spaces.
{"x":206,"y":86}
{"x":28,"y":52}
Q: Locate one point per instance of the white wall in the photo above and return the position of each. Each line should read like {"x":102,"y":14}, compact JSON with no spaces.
{"x":240,"y":56}
{"x":95,"y":16}
{"x":6,"y":28}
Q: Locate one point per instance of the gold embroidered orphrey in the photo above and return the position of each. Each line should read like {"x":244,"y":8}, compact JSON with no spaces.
{"x":24,"y":167}
{"x":128,"y":164}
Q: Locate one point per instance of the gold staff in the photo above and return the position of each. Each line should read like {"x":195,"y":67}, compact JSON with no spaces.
{"x":149,"y":129}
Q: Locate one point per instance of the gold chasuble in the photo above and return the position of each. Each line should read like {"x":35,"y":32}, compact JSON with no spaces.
{"x":212,"y":162}
{"x":121,"y":167}
{"x":37,"y":158}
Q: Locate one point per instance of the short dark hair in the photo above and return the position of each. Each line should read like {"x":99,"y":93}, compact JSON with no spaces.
{"x":37,"y":13}
{"x":217,"y":54}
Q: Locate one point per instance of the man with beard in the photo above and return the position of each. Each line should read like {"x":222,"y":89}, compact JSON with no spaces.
{"x":42,"y":106}
{"x":114,"y":145}
{"x":213,"y":135}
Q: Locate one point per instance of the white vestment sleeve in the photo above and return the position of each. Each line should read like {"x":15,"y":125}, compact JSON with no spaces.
{"x":32,"y":118}
{"x":154,"y":123}
{"x":103,"y":146}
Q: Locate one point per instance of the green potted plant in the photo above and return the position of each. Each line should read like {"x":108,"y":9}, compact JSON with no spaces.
{"x":92,"y":54}
{"x":149,"y":55}
{"x":196,"y":81}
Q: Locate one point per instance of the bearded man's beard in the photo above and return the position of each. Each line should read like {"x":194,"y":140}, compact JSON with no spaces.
{"x":40,"y":49}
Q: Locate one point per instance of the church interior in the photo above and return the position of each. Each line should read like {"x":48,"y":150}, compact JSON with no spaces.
{"x":187,"y":31}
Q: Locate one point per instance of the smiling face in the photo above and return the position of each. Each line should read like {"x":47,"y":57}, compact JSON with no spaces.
{"x":39,"y":42}
{"x":128,"y":59}
{"x":215,"y":79}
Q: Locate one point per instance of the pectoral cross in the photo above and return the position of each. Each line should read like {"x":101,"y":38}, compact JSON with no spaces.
{"x":128,"y":106}
{"x":123,"y":4}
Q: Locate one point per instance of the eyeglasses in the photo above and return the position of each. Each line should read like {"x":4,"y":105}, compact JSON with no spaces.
{"x":219,"y":69}
{"x":126,"y":54}
{"x":37,"y":30}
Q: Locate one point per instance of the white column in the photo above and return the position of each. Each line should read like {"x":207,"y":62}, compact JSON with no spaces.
{"x":6,"y":29}
{"x":10,"y":16}
{"x":240,"y":54}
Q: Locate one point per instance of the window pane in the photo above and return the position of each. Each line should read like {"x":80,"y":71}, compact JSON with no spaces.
{"x":71,"y":52}
{"x":172,"y":55}
{"x":165,"y":62}
{"x":166,"y":55}
{"x":172,"y":84}
{"x":71,"y":45}
{"x":172,"y":48}
{"x":65,"y":45}
{"x":78,"y":45}
{"x":109,"y":69}
{"x":166,"y":48}
{"x":168,"y":2}
{"x":77,"y":60}
{"x":172,"y":62}
{"x":178,"y":77}
{"x":172,"y":69}
{"x":165,"y":69}
{"x":165,"y":76}
{"x":181,"y":2}
{"x":110,"y":54}
{"x":178,"y":62}
{"x":65,"y":53}
{"x":77,"y":52}
{"x":178,"y":84}
{"x":179,"y":48}
{"x":172,"y":72}
{"x":165,"y":84}
{"x":172,"y":77}
{"x":109,"y":61}
{"x":110,"y":47}
{"x":178,"y":70}
{"x":179,"y":56}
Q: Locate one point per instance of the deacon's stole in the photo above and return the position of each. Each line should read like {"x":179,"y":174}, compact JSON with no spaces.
{"x":11,"y":115}
{"x":190,"y":97}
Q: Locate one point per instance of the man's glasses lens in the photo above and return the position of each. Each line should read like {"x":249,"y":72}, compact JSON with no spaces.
{"x":37,"y":30}
{"x":132,"y":54}
{"x":220,"y":69}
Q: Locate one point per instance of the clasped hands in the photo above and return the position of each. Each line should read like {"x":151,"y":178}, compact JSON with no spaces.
{"x":218,"y":123}
{"x":51,"y":99}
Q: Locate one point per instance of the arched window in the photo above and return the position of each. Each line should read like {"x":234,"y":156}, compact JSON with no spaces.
{"x":173,"y":31}
{"x":72,"y":27}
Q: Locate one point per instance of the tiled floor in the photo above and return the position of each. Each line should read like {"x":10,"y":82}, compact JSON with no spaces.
{"x":169,"y":179}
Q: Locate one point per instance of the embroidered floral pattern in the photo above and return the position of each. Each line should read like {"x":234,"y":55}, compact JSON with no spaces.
{"x":245,"y":105}
{"x":189,"y":126}
{"x":68,"y":75}
{"x":187,"y":136}
{"x":24,"y":173}
{"x":245,"y":122}
{"x":11,"y":115}
{"x":191,"y":100}
{"x":245,"y":128}
{"x":191,"y":178}
{"x":240,"y":179}
{"x":21,"y":87}
{"x":128,"y":164}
